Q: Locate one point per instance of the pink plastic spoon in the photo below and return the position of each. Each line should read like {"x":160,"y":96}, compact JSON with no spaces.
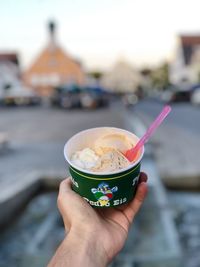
{"x":131,"y":153}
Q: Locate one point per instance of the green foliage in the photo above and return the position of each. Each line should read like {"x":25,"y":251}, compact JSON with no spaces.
{"x":160,"y":77}
{"x":96,"y":74}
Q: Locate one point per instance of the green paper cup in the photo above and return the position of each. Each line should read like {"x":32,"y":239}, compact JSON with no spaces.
{"x":102,"y":189}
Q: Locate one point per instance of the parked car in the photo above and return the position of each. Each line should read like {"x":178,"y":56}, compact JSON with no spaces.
{"x":94,"y":97}
{"x":181,"y":96}
{"x":195,"y":96}
{"x":18,"y":95}
{"x":176,"y":93}
{"x":66,"y":97}
{"x":78,"y":97}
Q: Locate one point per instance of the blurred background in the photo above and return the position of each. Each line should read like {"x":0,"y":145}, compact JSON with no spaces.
{"x":66,"y":66}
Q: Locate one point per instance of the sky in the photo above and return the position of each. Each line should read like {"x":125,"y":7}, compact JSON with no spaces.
{"x":99,"y":32}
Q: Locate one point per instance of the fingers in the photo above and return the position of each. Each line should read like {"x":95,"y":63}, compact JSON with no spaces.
{"x":143,"y":177}
{"x":67,"y":197}
{"x":133,"y":207}
{"x":73,"y":208}
{"x":69,"y":203}
{"x":66,"y":194}
{"x":63,"y":201}
{"x":139,"y":197}
{"x":65,"y":186}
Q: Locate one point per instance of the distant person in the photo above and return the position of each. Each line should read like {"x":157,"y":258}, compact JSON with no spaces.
{"x":94,"y":236}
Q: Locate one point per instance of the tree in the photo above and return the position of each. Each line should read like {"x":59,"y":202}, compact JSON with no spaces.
{"x":96,"y":74}
{"x":160,"y":77}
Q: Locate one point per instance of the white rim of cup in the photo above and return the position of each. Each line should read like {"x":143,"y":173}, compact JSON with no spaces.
{"x":102,"y":173}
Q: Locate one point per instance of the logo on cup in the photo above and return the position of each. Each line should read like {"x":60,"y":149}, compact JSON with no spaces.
{"x":135,"y":180}
{"x":104,"y":193}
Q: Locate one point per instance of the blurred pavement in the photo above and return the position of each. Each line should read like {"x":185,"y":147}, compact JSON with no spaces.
{"x":37,"y":137}
{"x":36,"y":150}
{"x":176,"y":143}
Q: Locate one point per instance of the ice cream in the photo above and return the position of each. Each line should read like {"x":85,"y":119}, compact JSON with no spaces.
{"x":111,"y":160}
{"x":105,"y":156}
{"x":115,"y":141}
{"x":100,"y":172}
{"x":86,"y":159}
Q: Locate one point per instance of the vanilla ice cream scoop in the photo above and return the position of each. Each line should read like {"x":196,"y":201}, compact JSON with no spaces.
{"x":86,"y":159}
{"x":116,"y":141}
{"x":106,"y":155}
{"x":111,"y":160}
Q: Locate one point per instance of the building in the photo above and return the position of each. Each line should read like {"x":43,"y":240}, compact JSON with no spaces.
{"x":9,"y":70}
{"x":122,"y":78}
{"x":12,"y":89}
{"x":53,"y":67}
{"x":185,"y":67}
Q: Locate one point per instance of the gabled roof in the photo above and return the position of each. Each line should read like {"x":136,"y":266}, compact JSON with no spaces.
{"x":11,"y":57}
{"x":188,"y":43}
{"x":55,"y":61}
{"x":190,"y":39}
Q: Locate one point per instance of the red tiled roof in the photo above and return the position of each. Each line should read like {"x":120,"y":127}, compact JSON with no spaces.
{"x":9,"y":57}
{"x":190,"y":39}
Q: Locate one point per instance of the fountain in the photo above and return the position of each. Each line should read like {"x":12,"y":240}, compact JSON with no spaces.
{"x":30,"y":237}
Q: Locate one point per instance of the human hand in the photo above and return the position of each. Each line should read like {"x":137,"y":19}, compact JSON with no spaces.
{"x":106,"y":230}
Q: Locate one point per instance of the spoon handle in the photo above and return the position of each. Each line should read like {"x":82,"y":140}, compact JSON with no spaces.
{"x":130,"y":154}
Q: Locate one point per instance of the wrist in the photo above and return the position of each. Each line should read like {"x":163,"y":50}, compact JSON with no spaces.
{"x":87,"y":248}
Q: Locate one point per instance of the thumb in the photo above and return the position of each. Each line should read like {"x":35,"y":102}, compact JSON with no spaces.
{"x":73,"y":208}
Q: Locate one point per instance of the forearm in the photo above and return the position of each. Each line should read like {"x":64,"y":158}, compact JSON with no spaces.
{"x":77,"y":251}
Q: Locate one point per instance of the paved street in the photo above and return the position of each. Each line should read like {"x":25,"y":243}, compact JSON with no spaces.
{"x":177,"y":143}
{"x":37,"y":136}
{"x":39,"y":125}
{"x":184,"y":116}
